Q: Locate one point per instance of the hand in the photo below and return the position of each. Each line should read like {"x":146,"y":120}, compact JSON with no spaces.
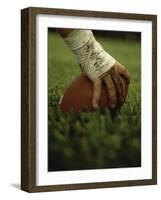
{"x":115,"y":80}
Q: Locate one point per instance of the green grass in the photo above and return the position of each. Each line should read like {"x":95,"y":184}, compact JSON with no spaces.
{"x":95,"y":139}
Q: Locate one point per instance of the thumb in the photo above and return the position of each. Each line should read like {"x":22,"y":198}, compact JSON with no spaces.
{"x":97,"y":86}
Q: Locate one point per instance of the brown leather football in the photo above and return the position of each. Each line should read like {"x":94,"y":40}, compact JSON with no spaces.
{"x":78,"y":95}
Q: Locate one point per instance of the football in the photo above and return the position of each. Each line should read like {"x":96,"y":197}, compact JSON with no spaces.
{"x":78,"y":95}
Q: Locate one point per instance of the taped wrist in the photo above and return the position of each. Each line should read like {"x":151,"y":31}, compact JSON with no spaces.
{"x":90,"y":55}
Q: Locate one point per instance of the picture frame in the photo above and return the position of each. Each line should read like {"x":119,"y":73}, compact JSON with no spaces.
{"x":29,"y":97}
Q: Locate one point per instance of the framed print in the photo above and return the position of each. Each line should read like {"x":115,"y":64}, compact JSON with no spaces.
{"x":88,"y":99}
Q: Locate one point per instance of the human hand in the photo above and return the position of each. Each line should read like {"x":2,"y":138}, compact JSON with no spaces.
{"x":117,"y":80}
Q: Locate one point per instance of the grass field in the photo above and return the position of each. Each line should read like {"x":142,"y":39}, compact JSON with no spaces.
{"x":94,"y":139}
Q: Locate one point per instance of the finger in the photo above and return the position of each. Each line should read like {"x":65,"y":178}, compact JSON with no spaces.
{"x":123,"y":72}
{"x":111,"y":91}
{"x":119,"y":86}
{"x":97,"y":85}
{"x":126,"y":86}
{"x":123,"y":90}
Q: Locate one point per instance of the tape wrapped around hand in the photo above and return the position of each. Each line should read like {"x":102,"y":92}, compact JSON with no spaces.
{"x":92,"y":58}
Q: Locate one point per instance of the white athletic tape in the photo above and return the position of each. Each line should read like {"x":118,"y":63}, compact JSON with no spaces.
{"x":92,"y":58}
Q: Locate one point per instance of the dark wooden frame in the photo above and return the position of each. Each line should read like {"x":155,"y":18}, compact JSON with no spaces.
{"x":28,"y":98}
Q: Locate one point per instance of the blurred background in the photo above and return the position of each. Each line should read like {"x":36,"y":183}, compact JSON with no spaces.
{"x":94,"y":140}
